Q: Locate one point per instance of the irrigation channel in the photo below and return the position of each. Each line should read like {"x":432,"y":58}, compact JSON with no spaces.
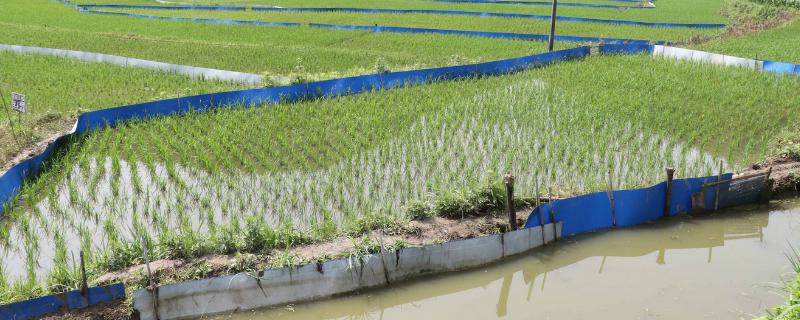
{"x":729,"y":264}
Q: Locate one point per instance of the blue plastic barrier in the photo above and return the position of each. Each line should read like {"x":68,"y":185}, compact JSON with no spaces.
{"x":502,"y":35}
{"x":400,"y":11}
{"x":631,"y":207}
{"x":485,"y":34}
{"x":545,"y":3}
{"x":71,"y":300}
{"x":781,"y":67}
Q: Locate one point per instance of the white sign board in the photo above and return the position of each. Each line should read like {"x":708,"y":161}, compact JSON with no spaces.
{"x":18,"y":102}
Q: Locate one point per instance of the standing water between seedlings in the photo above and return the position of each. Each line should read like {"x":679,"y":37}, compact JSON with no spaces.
{"x":726,"y":265}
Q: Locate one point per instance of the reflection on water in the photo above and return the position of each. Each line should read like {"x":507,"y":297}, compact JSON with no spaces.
{"x":725,"y":265}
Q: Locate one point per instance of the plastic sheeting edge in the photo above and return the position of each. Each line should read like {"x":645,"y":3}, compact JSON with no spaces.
{"x":71,"y":300}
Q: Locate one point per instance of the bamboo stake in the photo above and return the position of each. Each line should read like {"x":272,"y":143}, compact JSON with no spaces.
{"x":512,"y":214}
{"x":716,"y":195}
{"x":670,"y":176}
{"x":541,"y":219}
{"x":611,"y":198}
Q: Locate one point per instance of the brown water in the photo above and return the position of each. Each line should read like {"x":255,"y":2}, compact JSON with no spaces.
{"x":726,"y":265}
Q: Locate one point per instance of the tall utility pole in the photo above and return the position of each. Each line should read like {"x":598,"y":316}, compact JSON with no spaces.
{"x":553,"y":25}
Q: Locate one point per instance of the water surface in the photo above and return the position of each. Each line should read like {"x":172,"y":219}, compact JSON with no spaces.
{"x":725,"y":265}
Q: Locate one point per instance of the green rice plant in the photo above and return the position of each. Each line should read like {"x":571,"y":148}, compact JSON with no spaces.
{"x":48,"y":82}
{"x":346,"y":166}
{"x":667,"y":11}
{"x":777,"y":44}
{"x":453,"y":22}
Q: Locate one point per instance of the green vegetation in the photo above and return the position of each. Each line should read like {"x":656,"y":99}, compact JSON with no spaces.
{"x":270,"y":50}
{"x":54,"y":101}
{"x":727,"y":111}
{"x":779,"y":44}
{"x":202,"y":184}
{"x":679,"y":11}
{"x":790,"y":311}
{"x":495,"y":24}
{"x":781,"y":3}
{"x":260,"y":179}
{"x":786,"y":145}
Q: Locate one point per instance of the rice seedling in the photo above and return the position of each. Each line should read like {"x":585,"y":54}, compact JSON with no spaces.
{"x":325,"y":54}
{"x":672,"y":10}
{"x":259,"y":179}
{"x":54,"y":101}
{"x":775,"y":44}
{"x":495,"y":24}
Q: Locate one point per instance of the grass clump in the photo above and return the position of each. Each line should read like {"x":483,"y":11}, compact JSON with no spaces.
{"x":481,"y":199}
{"x":786,"y":145}
{"x":791,"y":310}
{"x":746,"y":11}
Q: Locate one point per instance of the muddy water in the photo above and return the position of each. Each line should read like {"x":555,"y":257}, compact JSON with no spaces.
{"x":726,"y":265}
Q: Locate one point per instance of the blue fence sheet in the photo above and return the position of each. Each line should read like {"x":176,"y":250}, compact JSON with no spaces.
{"x":781,"y":67}
{"x":546,"y":3}
{"x":71,"y":300}
{"x":631,"y":207}
{"x":485,"y":34}
{"x":400,"y":11}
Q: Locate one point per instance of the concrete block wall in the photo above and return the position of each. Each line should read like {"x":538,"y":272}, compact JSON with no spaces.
{"x":194,"y":72}
{"x":315,"y":281}
{"x":706,"y":57}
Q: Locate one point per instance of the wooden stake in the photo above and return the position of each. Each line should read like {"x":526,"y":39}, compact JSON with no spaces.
{"x":766,"y":193}
{"x":84,"y":284}
{"x":151,"y":287}
{"x":670,"y":175}
{"x":541,"y":219}
{"x":383,"y":258}
{"x":552,"y":214}
{"x":512,"y":213}
{"x":716,"y":195}
{"x":611,"y":198}
{"x":553,"y":16}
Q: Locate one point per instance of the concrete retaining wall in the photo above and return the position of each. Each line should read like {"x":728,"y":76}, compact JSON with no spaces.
{"x":277,"y":287}
{"x":194,"y":72}
{"x":706,"y":57}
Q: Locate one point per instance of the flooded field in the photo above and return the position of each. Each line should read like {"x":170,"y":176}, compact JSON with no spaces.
{"x":726,"y":265}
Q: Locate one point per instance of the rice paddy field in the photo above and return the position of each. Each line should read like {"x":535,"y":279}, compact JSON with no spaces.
{"x":262,"y":178}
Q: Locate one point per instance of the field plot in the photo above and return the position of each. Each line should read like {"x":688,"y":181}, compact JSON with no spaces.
{"x":263,"y":178}
{"x":54,"y":100}
{"x":777,"y":44}
{"x":296,"y":54}
{"x":495,"y":24}
{"x":248,"y":180}
{"x":666,"y":11}
{"x":312,"y":53}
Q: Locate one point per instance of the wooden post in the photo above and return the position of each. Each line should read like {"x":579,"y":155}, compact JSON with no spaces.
{"x":512,"y":213}
{"x":383,"y":259}
{"x":552,"y":214}
{"x":670,"y":175}
{"x":766,"y":193}
{"x":553,"y":16}
{"x":84,"y":284}
{"x":151,"y":287}
{"x":716,"y":193}
{"x":541,"y":219}
{"x":611,"y":198}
